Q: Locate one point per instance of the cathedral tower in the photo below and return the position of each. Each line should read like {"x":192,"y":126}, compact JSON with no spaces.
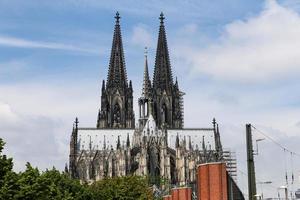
{"x":167,"y":98}
{"x":116,"y":99}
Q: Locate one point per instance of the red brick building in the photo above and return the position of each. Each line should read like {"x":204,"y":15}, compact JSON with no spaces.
{"x":181,"y":193}
{"x":212,"y":181}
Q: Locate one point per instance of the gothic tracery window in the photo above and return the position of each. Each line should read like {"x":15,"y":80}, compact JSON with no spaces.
{"x":117,"y":114}
{"x":164,"y":112}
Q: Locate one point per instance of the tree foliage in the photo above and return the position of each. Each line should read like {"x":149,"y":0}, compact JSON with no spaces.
{"x":55,"y":185}
{"x":6,"y":164}
{"x":123,"y":188}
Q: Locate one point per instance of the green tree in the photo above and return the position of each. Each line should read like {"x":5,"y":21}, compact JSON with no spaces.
{"x":55,"y":185}
{"x":10,"y":187}
{"x":122,"y":188}
{"x":6,"y":164}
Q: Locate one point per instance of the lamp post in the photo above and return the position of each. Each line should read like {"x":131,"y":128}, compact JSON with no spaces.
{"x":261,"y":185}
{"x":284,"y":187}
{"x":258,"y":196}
{"x":255,"y":153}
{"x":256,"y":141}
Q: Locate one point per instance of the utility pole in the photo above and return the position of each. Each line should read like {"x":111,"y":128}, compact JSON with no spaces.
{"x":250,"y":164}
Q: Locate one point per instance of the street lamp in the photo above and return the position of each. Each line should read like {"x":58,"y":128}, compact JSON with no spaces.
{"x":256,"y":141}
{"x":261,"y":184}
{"x":284,"y":187}
{"x":259,"y":196}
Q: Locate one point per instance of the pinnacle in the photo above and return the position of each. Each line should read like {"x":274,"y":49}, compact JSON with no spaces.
{"x":146,"y":81}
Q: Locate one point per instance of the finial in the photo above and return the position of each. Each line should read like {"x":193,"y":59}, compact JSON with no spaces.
{"x":203,"y":143}
{"x":130,"y":85}
{"x":214,"y":123}
{"x":177,"y":141}
{"x":118,"y":143}
{"x":161,"y":17}
{"x":90,"y":143}
{"x":146,"y":51}
{"x":103,"y":85}
{"x":128,"y":141}
{"x":66,"y":168}
{"x":76,"y":123}
{"x":104,"y":143}
{"x":117,"y":17}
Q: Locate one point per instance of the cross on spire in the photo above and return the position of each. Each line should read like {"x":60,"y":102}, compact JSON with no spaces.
{"x":161,"y":17}
{"x":117,"y":17}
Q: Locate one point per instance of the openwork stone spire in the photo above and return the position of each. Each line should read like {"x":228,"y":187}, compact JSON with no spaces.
{"x":117,"y":95}
{"x":117,"y":76}
{"x":167,"y":98}
{"x":146,"y":82}
{"x":162,"y":71}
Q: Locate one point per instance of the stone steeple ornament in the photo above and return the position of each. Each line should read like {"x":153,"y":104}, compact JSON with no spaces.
{"x":167,"y":98}
{"x":117,"y":95}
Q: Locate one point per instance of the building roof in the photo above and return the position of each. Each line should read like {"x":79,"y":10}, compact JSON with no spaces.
{"x":97,"y":139}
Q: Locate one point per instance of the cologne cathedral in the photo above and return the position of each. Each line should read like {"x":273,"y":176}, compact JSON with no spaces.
{"x":158,"y":146}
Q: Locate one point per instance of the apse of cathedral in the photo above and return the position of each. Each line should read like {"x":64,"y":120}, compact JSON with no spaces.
{"x":159,"y":147}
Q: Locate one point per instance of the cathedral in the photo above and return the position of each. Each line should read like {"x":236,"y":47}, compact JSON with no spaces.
{"x":158,"y":146}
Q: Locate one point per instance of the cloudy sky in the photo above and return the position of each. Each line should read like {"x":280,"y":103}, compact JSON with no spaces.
{"x":238,"y":61}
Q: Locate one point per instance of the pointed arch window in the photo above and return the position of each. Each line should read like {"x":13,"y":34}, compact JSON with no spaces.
{"x":164,"y":113}
{"x":116,"y":115}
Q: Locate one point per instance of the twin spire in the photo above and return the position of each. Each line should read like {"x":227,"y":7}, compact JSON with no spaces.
{"x":161,"y":97}
{"x":117,"y":76}
{"x":162,"y":78}
{"x":117,"y":94}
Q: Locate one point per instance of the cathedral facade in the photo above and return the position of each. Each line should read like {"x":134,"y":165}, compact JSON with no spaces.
{"x":159,"y":146}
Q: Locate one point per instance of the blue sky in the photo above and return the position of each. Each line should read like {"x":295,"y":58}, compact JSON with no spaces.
{"x":87,"y":25}
{"x":236,"y":60}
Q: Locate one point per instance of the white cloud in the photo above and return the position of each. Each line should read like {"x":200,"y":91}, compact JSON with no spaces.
{"x":36,"y":123}
{"x":261,"y":48}
{"x":141,"y":36}
{"x":31,"y":138}
{"x":7,"y":115}
{"x":23,"y":43}
{"x":233,"y":108}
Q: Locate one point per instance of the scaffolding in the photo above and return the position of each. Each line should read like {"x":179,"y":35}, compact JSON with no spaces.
{"x":181,"y":105}
{"x":231,"y":163}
